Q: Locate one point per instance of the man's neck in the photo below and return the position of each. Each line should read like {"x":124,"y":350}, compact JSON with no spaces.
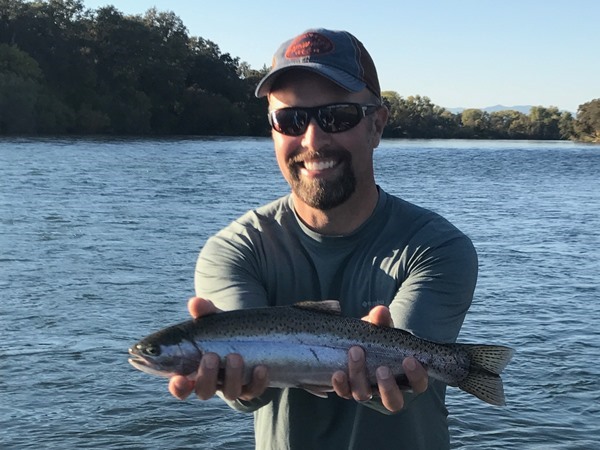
{"x":341,"y":220}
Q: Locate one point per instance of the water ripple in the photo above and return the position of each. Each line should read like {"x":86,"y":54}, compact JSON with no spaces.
{"x":98,"y":244}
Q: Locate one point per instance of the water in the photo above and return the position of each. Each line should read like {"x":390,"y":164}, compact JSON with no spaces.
{"x":98,"y":241}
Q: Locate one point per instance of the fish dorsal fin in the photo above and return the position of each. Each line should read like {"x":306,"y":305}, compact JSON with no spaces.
{"x":324,"y":306}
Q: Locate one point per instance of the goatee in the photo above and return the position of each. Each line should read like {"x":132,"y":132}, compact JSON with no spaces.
{"x":324,"y":194}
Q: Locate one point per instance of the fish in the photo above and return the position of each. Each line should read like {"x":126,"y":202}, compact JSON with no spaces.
{"x":303,"y":344}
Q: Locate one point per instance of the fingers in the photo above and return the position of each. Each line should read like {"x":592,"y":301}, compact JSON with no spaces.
{"x":354,"y":384}
{"x":207,"y":382}
{"x":416,"y":374}
{"x":181,"y":387}
{"x":357,"y":375}
{"x":258,"y":384}
{"x":234,"y":372}
{"x":380,"y":315}
{"x":391,"y":395}
{"x":208,"y":376}
{"x":199,"y":307}
{"x":233,"y":387}
{"x":341,"y":386}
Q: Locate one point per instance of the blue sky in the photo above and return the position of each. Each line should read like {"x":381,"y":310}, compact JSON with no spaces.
{"x":471,"y":53}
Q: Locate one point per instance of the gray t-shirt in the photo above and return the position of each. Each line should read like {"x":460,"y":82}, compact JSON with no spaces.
{"x":403,"y":256}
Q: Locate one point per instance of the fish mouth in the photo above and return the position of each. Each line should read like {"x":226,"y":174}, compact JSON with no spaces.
{"x":136,"y":359}
{"x":141,"y":363}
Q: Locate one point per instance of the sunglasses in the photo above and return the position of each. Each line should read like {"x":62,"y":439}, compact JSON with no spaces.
{"x":334,"y":118}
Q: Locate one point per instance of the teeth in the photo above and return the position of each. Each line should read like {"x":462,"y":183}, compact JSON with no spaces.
{"x":319,"y":165}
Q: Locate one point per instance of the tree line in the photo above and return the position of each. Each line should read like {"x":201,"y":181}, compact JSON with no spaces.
{"x":65,"y":69}
{"x":417,"y":117}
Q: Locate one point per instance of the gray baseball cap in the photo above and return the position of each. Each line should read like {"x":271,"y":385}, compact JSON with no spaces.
{"x":336,"y":55}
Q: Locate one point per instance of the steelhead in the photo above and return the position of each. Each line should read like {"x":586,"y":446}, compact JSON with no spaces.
{"x":304,"y":344}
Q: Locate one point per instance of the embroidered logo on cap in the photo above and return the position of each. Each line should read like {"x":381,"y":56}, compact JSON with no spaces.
{"x":309,"y":44}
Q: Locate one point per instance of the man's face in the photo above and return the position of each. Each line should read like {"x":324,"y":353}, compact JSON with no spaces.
{"x":324,"y":169}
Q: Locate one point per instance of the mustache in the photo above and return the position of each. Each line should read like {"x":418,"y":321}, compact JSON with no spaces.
{"x":300,"y":156}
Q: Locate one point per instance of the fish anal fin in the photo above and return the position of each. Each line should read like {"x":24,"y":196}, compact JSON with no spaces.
{"x":324,"y":306}
{"x":319,"y":391}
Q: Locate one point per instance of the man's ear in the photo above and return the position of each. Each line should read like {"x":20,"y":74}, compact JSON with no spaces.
{"x":381,"y":117}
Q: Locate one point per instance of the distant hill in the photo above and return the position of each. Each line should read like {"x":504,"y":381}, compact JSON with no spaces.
{"x":521,"y":108}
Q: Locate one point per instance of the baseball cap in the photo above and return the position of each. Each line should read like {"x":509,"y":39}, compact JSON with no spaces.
{"x":336,"y":55}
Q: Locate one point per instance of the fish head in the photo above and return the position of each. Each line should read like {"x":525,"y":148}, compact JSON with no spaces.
{"x":165,"y":359}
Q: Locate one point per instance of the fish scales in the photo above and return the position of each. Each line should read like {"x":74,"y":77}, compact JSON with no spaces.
{"x":304,"y":344}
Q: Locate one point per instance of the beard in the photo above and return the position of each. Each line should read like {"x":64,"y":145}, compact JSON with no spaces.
{"x":324,"y":194}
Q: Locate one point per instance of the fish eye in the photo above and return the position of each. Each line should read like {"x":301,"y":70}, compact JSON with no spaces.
{"x":149,"y":349}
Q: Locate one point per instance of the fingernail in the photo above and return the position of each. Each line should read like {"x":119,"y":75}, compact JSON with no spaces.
{"x":260,"y":373}
{"x":383,"y":373}
{"x":356,"y":354}
{"x":233,"y":362}
{"x":211,"y":362}
{"x":410,"y":364}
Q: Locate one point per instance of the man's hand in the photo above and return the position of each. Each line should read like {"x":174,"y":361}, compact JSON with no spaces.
{"x":206,"y":382}
{"x":356,"y":385}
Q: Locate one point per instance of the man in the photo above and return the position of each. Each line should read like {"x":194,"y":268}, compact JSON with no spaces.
{"x":336,"y":236}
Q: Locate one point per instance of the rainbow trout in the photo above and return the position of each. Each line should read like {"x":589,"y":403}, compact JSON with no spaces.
{"x":304,"y":344}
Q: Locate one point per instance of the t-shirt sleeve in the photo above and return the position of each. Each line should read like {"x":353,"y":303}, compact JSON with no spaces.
{"x":435,"y":295}
{"x":227,"y":272}
{"x":434,"y":298}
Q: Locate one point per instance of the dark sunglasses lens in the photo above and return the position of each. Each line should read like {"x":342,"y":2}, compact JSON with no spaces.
{"x":331,"y":118}
{"x":338,"y":118}
{"x":290,"y":121}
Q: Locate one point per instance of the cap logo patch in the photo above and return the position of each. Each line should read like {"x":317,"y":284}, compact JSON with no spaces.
{"x":309,"y":44}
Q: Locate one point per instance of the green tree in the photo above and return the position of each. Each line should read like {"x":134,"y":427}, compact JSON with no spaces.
{"x":216,"y":72}
{"x":417,"y":117}
{"x":398,"y":113}
{"x":54,"y":34}
{"x":475,"y":123}
{"x":587,"y":124}
{"x":122,"y":51}
{"x":566,"y":125}
{"x":508,"y":124}
{"x":66,"y":69}
{"x":20,"y":87}
{"x":544,"y":123}
{"x":163,"y":75}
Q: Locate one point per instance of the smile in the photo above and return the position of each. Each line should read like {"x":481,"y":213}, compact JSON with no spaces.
{"x":319,"y":165}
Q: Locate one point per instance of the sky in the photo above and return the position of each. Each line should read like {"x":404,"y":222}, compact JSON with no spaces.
{"x":461,"y":53}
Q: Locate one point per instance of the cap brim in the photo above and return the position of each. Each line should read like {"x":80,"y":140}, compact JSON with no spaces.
{"x":339,"y":77}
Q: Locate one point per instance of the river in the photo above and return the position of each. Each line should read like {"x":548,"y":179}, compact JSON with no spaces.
{"x":98,"y":241}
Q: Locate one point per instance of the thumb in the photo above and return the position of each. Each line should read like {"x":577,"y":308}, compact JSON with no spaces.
{"x":380,"y":315}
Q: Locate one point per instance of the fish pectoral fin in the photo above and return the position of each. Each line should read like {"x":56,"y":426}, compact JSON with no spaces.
{"x":319,"y":391}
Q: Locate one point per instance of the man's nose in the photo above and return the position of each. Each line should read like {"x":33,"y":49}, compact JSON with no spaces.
{"x":314,"y":137}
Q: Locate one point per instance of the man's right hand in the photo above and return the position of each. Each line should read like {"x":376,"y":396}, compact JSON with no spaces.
{"x":206,"y":382}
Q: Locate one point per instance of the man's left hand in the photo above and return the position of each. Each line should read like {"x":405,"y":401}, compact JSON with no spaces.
{"x":355,"y":384}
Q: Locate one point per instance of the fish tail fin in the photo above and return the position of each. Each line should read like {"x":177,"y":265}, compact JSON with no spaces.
{"x":483,"y":380}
